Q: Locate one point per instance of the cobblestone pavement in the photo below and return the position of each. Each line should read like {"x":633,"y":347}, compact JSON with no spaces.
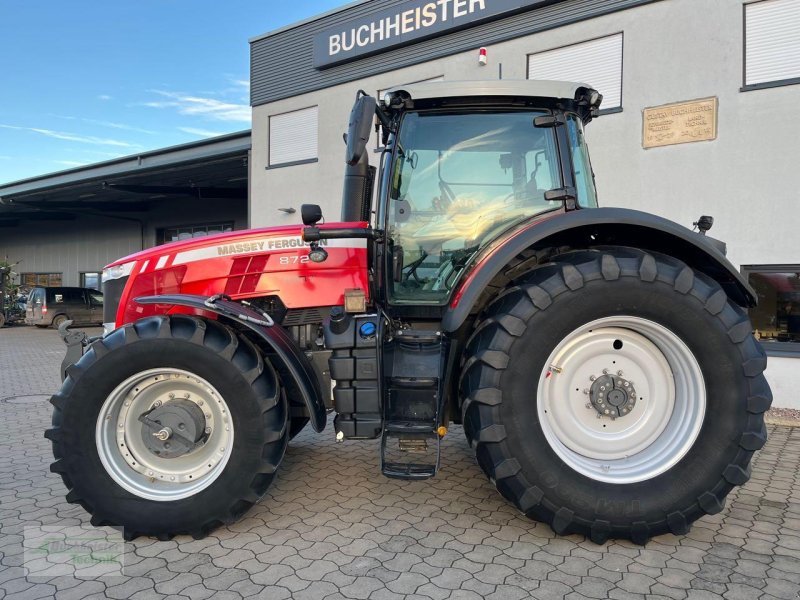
{"x":332,"y":527}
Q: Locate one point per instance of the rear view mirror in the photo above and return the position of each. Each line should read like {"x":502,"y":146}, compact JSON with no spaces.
{"x":311,"y":214}
{"x":361,"y":119}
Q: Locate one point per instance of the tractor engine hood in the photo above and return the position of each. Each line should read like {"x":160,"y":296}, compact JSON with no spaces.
{"x":269,"y":263}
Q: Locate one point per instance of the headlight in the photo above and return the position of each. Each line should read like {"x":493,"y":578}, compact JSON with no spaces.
{"x":118,"y":271}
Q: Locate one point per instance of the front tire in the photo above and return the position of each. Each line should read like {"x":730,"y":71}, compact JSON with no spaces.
{"x":685,"y":371}
{"x":207,"y":391}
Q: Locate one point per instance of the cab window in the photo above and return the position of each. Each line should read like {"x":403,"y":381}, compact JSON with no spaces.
{"x":458,"y":182}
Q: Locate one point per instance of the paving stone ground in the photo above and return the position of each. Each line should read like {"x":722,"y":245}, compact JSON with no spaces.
{"x":332,"y":527}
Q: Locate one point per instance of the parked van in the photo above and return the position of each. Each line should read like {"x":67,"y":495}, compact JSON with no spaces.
{"x":51,"y":306}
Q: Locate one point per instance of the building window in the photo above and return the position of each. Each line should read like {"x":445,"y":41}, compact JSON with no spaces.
{"x":595,"y":62}
{"x":776,"y":319}
{"x":90,"y":280}
{"x":29,"y":280}
{"x":293,"y":137}
{"x":771,"y":43}
{"x":185,"y":232}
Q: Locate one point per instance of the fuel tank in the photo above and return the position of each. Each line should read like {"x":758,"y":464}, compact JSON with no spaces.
{"x":269,"y":264}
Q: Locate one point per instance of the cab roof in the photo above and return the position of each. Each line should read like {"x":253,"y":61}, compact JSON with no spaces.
{"x":535,"y":88}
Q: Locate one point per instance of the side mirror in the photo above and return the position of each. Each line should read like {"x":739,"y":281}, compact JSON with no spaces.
{"x":311,"y":214}
{"x":361,"y":118}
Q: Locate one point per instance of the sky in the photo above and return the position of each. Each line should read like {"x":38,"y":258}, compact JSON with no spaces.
{"x":84,"y":81}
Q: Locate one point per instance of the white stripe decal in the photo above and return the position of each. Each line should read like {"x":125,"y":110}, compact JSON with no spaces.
{"x":144,"y":266}
{"x":162,"y":261}
{"x":260,"y":246}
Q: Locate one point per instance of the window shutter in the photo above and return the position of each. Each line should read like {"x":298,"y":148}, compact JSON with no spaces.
{"x":772,"y":41}
{"x":293,"y":136}
{"x":597,"y":63}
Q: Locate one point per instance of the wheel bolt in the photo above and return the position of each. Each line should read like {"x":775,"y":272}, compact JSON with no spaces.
{"x":619,"y":372}
{"x":592,"y":377}
{"x":208,"y":429}
{"x":200,"y":403}
{"x":171,"y":395}
{"x":187,"y":396}
{"x":605,"y":371}
{"x":208,"y":415}
{"x":626,"y":384}
{"x":606,"y":411}
{"x":589,"y":405}
{"x":157,"y":403}
{"x":586,"y":390}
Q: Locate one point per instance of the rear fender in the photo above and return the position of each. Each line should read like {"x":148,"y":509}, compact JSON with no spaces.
{"x":598,"y":227}
{"x":297,"y":374}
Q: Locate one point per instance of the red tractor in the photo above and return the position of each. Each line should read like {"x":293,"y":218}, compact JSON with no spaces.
{"x":600,"y":360}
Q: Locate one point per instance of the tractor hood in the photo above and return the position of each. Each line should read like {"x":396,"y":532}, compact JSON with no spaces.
{"x":270,"y":263}
{"x":244,"y":241}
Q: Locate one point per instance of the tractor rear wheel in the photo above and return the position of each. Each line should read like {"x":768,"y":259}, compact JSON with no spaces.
{"x":167,"y":426}
{"x":615,"y":393}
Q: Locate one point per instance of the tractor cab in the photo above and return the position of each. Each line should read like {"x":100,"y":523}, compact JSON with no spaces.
{"x":462,"y":163}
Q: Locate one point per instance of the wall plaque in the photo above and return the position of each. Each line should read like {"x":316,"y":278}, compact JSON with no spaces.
{"x":680,"y":123}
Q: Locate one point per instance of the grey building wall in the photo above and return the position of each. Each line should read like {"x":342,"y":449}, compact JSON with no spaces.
{"x":89,"y":243}
{"x":281,"y":63}
{"x":674,"y":51}
{"x":68,"y":247}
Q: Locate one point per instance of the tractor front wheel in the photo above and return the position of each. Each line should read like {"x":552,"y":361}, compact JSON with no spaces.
{"x":615,"y":393}
{"x":169,"y":425}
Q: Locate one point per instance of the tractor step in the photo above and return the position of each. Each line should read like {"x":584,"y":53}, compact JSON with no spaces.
{"x":412,"y":441}
{"x":412,"y":392}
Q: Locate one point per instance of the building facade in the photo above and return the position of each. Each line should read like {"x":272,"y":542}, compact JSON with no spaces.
{"x":696,"y":119}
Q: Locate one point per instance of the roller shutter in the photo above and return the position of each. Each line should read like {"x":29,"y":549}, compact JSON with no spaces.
{"x":595,"y":62}
{"x":772,"y":41}
{"x":293,"y":137}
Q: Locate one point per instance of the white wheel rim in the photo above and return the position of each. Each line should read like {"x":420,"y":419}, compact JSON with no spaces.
{"x":125,"y":456}
{"x":658,"y":430}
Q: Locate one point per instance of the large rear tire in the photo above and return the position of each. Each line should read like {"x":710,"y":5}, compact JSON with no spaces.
{"x":170,"y":425}
{"x":687,"y":394}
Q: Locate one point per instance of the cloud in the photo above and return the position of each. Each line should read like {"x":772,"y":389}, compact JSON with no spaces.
{"x":73,"y":137}
{"x":105,"y":97}
{"x":199,"y":106}
{"x":110,"y":124}
{"x":200,"y":132}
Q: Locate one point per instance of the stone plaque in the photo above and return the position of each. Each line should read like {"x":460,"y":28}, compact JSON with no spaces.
{"x":694,"y":121}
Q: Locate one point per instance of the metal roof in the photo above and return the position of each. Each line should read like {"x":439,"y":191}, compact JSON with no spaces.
{"x":211,"y":168}
{"x":504,"y":87}
{"x":164,"y":157}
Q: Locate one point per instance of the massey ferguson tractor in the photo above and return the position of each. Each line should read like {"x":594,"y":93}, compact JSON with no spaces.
{"x":600,"y":360}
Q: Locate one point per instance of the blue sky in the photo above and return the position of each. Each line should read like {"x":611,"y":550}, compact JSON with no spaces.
{"x":83,"y":81}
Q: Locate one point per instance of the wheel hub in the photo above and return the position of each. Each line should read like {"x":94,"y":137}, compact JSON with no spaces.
{"x":612,"y":396}
{"x":173,"y":429}
{"x":164,"y":434}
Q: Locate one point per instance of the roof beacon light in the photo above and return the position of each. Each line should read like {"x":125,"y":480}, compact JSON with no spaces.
{"x":482,"y":57}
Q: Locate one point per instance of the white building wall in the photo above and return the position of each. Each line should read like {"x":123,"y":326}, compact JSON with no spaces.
{"x":674,"y":51}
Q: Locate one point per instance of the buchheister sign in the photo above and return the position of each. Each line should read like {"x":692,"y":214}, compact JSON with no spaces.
{"x":409,"y":22}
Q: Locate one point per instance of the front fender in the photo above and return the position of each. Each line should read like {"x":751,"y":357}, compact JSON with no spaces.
{"x":297,"y":374}
{"x":597,"y":227}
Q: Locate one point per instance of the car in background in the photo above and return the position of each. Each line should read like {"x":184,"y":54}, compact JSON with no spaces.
{"x":51,"y":306}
